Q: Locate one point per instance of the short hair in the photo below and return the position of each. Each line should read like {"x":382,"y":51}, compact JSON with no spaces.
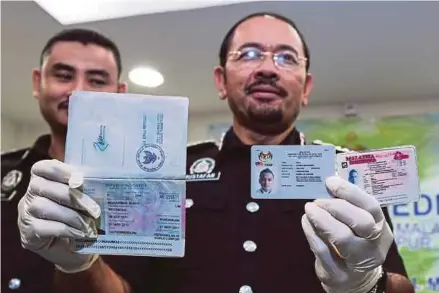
{"x":352,"y":172}
{"x":265,"y":171}
{"x":225,"y":45}
{"x":84,"y":36}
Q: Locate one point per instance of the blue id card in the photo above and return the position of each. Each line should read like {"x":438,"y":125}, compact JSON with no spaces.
{"x":291,"y":172}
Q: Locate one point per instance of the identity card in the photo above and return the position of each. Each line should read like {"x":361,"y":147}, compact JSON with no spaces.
{"x":291,"y":172}
{"x":390,"y":175}
{"x":131,"y":150}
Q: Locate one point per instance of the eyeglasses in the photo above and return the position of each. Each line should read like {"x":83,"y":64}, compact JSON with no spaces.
{"x":253,"y":58}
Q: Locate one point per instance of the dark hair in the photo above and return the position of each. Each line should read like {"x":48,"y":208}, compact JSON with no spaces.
{"x":352,"y":172}
{"x":225,"y":45}
{"x":84,"y":36}
{"x":265,"y":171}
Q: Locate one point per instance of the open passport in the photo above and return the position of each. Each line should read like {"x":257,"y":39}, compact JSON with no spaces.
{"x":133,"y":160}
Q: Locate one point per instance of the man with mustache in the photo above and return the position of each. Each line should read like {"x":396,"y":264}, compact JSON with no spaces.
{"x":74,"y":59}
{"x":233,"y":242}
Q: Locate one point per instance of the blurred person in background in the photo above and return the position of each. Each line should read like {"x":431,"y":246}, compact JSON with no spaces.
{"x":74,"y":59}
{"x":234,"y":243}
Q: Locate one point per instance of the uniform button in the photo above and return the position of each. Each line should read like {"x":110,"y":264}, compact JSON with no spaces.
{"x":252,"y":207}
{"x":14,"y":283}
{"x":245,"y":289}
{"x":189,"y":203}
{"x":249,"y":246}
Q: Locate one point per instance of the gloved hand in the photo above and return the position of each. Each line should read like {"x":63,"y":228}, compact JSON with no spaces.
{"x":349,"y":236}
{"x":51,"y":213}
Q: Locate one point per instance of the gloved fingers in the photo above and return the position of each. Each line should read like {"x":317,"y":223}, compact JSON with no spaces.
{"x":331,"y":276}
{"x":355,"y":195}
{"x":330,"y":230}
{"x":45,"y":209}
{"x":61,"y":193}
{"x":359,"y":220}
{"x":53,"y":170}
{"x":39,"y":234}
{"x":328,"y":266}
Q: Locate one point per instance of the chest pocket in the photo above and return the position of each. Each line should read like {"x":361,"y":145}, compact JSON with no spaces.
{"x":204,"y":197}
{"x":206,"y":223}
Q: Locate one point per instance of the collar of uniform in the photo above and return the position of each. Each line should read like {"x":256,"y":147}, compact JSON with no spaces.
{"x":231,"y":142}
{"x":41,"y":146}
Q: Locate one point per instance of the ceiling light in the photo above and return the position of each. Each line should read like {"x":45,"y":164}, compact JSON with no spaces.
{"x":81,"y":11}
{"x":146,"y":77}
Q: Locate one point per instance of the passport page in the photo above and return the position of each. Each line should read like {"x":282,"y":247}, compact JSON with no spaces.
{"x":138,"y":217}
{"x":131,"y":151}
{"x":114,"y":135}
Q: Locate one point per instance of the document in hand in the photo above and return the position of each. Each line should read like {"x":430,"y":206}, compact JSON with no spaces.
{"x":131,"y":150}
{"x":299,"y":172}
{"x":390,"y":175}
{"x":291,"y":172}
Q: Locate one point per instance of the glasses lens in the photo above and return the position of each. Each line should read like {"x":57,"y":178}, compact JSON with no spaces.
{"x":286,"y":59}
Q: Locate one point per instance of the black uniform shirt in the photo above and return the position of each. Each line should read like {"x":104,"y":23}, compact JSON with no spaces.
{"x":22,"y":270}
{"x":233,"y":242}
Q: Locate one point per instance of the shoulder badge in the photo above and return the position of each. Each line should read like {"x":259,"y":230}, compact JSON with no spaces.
{"x":9,"y":183}
{"x":202,"y":170}
{"x":203,"y":165}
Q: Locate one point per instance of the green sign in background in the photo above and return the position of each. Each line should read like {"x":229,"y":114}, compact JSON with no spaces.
{"x":416,"y":226}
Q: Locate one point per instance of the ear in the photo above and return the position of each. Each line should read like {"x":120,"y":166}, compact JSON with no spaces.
{"x":122,"y":87}
{"x":219,"y":75}
{"x":307,"y":90}
{"x":36,"y":83}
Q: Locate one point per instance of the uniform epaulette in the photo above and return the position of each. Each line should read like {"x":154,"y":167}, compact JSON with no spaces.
{"x":338,"y":149}
{"x":10,"y":160}
{"x":14,"y":153}
{"x":202,"y":145}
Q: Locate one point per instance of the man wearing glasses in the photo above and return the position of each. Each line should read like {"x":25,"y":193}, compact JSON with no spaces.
{"x":235,"y":243}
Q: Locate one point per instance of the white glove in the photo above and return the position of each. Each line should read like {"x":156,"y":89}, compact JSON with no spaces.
{"x":51,"y":213}
{"x":349,"y":236}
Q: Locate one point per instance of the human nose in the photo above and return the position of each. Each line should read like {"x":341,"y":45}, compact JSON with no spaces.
{"x":266,"y":74}
{"x":267,"y":68}
{"x":79,"y":84}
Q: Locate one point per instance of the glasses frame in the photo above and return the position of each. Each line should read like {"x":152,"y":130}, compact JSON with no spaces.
{"x":301,"y":60}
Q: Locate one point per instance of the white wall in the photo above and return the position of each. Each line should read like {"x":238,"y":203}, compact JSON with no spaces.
{"x":15,"y":135}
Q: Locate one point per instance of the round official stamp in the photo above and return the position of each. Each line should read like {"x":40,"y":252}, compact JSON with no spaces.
{"x":150,"y":157}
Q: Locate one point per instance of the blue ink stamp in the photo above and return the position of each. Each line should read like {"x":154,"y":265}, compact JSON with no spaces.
{"x":150,"y":157}
{"x":101,"y":144}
